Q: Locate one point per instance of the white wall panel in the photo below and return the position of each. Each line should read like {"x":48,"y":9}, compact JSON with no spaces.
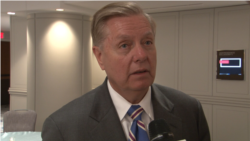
{"x":18,"y":50}
{"x":231,"y":123}
{"x":195,"y":53}
{"x":166,"y":42}
{"x":86,"y":57}
{"x":232,"y":26}
{"x":18,"y":101}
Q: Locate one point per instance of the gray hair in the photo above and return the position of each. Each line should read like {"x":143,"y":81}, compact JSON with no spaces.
{"x":118,"y":9}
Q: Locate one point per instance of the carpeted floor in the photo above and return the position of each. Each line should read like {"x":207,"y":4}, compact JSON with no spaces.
{"x":4,"y":108}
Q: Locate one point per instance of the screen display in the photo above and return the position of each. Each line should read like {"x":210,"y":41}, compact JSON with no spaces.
{"x":230,"y":64}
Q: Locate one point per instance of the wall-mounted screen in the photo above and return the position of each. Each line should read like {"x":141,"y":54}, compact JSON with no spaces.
{"x":230,"y":64}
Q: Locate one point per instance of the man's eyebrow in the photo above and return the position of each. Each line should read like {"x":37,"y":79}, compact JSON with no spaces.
{"x":149,"y":34}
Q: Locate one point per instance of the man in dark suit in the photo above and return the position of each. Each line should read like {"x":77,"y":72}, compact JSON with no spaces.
{"x":124,"y":45}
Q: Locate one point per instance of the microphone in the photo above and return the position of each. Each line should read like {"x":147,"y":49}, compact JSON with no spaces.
{"x":160,"y":131}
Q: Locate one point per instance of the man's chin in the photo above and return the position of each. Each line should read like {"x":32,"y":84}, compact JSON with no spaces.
{"x":141,"y":87}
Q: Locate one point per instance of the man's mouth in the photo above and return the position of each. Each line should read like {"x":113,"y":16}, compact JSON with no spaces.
{"x":140,"y":71}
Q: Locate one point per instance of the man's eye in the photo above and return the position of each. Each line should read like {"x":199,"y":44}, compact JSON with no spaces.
{"x":148,"y":42}
{"x":124,"y":46}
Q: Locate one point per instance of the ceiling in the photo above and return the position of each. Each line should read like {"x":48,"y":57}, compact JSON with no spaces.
{"x":24,"y":8}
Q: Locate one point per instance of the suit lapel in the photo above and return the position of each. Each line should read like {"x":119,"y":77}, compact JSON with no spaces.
{"x":163,"y":109}
{"x":104,"y":122}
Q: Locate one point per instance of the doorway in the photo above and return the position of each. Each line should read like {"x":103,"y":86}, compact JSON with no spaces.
{"x":5,"y":75}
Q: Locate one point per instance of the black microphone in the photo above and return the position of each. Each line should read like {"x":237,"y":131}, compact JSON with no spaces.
{"x":160,"y":131}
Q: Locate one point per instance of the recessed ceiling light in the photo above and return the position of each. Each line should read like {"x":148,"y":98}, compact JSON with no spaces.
{"x":59,"y":9}
{"x":11,"y":13}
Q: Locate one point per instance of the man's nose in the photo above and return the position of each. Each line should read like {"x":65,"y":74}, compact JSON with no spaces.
{"x":139,"y":53}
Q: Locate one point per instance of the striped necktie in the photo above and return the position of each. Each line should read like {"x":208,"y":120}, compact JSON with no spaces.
{"x":137,"y":131}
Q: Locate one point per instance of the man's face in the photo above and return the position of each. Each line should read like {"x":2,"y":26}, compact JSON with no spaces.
{"x":129,"y":54}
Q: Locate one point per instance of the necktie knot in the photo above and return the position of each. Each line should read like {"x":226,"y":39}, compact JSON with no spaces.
{"x":135,"y":112}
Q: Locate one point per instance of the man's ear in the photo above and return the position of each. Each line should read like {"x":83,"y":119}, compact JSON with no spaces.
{"x":99,"y":56}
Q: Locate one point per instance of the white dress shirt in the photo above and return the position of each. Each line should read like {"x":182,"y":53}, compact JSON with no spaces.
{"x":122,"y":106}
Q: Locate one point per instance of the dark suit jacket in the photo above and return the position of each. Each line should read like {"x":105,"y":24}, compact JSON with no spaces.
{"x":93,"y":117}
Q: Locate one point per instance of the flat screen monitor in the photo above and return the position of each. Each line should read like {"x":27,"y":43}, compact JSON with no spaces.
{"x":230,"y":64}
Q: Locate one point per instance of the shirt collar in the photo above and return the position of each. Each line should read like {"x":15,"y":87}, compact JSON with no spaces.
{"x":122,"y":105}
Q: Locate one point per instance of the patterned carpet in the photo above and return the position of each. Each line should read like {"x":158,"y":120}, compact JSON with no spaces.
{"x":4,"y":108}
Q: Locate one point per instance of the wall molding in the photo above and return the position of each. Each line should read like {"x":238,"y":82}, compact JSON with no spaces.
{"x":225,"y":101}
{"x":17,"y":91}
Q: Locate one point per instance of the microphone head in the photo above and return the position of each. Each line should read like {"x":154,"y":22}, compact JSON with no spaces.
{"x":160,"y":131}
